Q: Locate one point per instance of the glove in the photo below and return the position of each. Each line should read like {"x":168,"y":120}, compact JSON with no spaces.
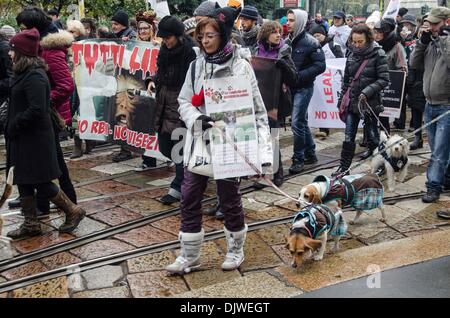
{"x":425,"y":38}
{"x":206,"y":122}
{"x":198,"y":100}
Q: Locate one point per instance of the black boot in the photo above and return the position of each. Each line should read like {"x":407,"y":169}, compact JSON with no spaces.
{"x":417,"y":143}
{"x":431,"y":196}
{"x":297,"y":166}
{"x":31,"y":226}
{"x":212,"y":210}
{"x":77,"y":148}
{"x":278,"y":177}
{"x":347,"y":153}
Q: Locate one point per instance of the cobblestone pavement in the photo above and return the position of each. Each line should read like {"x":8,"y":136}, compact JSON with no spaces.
{"x":112,"y":193}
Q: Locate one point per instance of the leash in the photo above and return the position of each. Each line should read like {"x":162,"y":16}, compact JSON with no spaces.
{"x":373,"y":113}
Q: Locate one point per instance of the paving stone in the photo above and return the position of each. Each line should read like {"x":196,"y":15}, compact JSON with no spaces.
{"x":101,"y":248}
{"x":289,"y":205}
{"x":55,"y":288}
{"x":252,"y":285}
{"x":344,"y":245}
{"x":275,"y":234}
{"x":258,"y":254}
{"x":200,"y":279}
{"x":418,"y":181}
{"x":160,"y":182}
{"x":402,"y":189}
{"x":283,"y":253}
{"x":412,"y":224}
{"x":394,"y":214}
{"x":28,"y":269}
{"x":170,"y":224}
{"x":355,"y":263}
{"x":412,"y":206}
{"x":94,"y":206}
{"x":145,"y":236}
{"x":154,"y":193}
{"x":146,"y":206}
{"x":109,"y":187}
{"x":113,"y":168}
{"x":136,"y":180}
{"x":429,"y":216}
{"x":151,"y":262}
{"x":384,"y":236}
{"x":116,"y":292}
{"x":301,"y":180}
{"x":211,"y":256}
{"x":135,"y":162}
{"x":290,"y":188}
{"x":60,"y":260}
{"x":160,"y":173}
{"x":86,"y":226}
{"x":264,"y":197}
{"x":34,"y":243}
{"x":269,"y":213}
{"x":422,"y":232}
{"x":367,"y":225}
{"x":81,"y":175}
{"x":155,"y":284}
{"x":252,"y":204}
{"x":85,"y":194}
{"x":102,"y":277}
{"x":116,"y":216}
{"x":210,"y":223}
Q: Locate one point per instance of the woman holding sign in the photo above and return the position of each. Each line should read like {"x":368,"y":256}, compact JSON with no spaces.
{"x":366,"y":75}
{"x":220,"y":59}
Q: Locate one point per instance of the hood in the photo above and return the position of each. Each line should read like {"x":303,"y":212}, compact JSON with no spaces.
{"x":60,"y":40}
{"x":301,"y":18}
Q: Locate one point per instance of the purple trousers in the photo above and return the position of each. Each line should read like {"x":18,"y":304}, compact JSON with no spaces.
{"x":192,"y":189}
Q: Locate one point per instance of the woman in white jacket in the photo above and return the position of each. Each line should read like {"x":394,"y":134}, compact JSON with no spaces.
{"x":219,"y":58}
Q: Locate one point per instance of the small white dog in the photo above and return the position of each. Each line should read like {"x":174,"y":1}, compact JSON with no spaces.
{"x":394,"y":159}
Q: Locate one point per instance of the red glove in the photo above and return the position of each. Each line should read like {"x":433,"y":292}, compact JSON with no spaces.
{"x":198,"y":100}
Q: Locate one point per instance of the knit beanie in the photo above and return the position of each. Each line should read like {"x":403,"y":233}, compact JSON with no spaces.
{"x":26,"y":42}
{"x":205,"y":8}
{"x":189,"y":25}
{"x":225,"y":17}
{"x":283,"y":20}
{"x":169,"y":25}
{"x":8,"y":31}
{"x":318,"y":29}
{"x":386,"y":25}
{"x":250,"y":12}
{"x":409,"y":18}
{"x":121,"y":17}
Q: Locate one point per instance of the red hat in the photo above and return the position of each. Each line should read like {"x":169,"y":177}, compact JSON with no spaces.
{"x":26,"y":42}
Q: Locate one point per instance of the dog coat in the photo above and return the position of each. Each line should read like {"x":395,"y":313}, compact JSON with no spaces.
{"x":359,"y":191}
{"x":396,"y":163}
{"x":321,"y":219}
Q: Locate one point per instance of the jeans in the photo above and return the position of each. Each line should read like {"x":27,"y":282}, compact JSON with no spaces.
{"x":229,"y":197}
{"x":304,"y":145}
{"x":440,"y":147}
{"x":165,"y":146}
{"x":370,"y":128}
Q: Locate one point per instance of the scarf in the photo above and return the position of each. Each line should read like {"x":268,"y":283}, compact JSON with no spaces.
{"x":221,"y":56}
{"x":251,"y":35}
{"x":389,"y":42}
{"x":269,"y":51}
{"x":362,"y":51}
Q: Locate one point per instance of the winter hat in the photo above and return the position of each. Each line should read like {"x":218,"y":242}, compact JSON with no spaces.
{"x":318,"y":29}
{"x":147,"y":16}
{"x":402,"y":12}
{"x":8,"y":31}
{"x":225,"y":17}
{"x":26,"y":42}
{"x":438,"y":14}
{"x":410,"y":19}
{"x":205,"y":8}
{"x":250,"y":12}
{"x":190,"y":25}
{"x":169,"y":25}
{"x":339,"y":15}
{"x":386,"y":25}
{"x":283,"y":20}
{"x":121,"y":17}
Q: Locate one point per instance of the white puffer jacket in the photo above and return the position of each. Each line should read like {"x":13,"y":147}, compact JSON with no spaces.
{"x":236,"y":66}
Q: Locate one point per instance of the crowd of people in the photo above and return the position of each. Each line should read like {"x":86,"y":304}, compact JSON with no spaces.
{"x":42,"y":100}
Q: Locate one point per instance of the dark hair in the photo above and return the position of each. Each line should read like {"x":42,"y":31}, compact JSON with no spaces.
{"x":92,"y":25}
{"x":24,"y":62}
{"x":104,"y":33}
{"x":201,"y":25}
{"x":34,"y":17}
{"x":362,"y":29}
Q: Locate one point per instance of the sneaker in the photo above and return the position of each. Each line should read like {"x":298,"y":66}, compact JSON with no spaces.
{"x":443,"y":214}
{"x":142,"y":168}
{"x":168,"y":199}
{"x":430,"y":197}
{"x":122,"y":156}
{"x":310,"y":160}
{"x":297,"y":167}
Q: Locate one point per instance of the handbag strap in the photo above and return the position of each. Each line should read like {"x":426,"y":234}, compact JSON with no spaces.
{"x":358,"y":73}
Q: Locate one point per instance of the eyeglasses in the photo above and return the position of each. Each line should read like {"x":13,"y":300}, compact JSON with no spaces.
{"x":144,"y":29}
{"x":209,"y":36}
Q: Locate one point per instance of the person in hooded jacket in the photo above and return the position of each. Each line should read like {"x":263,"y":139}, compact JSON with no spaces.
{"x":53,"y":50}
{"x":220,"y":58}
{"x":366,"y":89}
{"x":31,"y":150}
{"x":271,"y":45}
{"x":309,"y":61}
{"x":386,"y":36}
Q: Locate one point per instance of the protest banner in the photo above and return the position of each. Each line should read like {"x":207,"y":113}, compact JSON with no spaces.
{"x":392,"y":9}
{"x":114,"y":103}
{"x":229,"y":102}
{"x":269,"y":78}
{"x":392,"y":95}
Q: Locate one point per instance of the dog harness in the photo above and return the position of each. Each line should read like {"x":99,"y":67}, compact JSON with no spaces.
{"x":360,"y":191}
{"x":321,"y":219}
{"x":396,"y":163}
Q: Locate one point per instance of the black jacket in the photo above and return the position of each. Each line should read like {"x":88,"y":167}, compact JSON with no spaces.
{"x":5,"y":70}
{"x":309,"y":60}
{"x":373,"y":79}
{"x":29,"y":135}
{"x":414,"y":89}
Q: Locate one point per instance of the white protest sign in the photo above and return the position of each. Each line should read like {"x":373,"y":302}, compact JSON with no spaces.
{"x":161,"y":7}
{"x":392,"y":9}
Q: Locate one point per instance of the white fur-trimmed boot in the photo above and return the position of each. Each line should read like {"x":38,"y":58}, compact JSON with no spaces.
{"x":235,"y":254}
{"x":189,"y":258}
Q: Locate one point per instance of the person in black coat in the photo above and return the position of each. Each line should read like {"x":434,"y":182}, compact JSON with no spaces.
{"x":5,"y":75}
{"x":31,"y":152}
{"x":365,"y":91}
